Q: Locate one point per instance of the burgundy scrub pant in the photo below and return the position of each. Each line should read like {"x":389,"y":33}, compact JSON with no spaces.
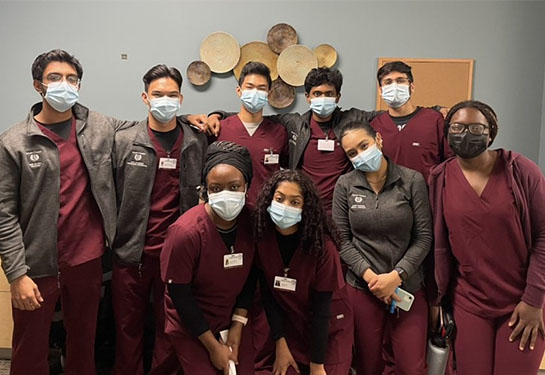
{"x":408,"y":334}
{"x":79,"y":290}
{"x":194,"y":357}
{"x":483,"y":348}
{"x":131,"y":288}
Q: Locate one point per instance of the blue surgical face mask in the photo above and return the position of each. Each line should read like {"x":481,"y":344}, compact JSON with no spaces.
{"x":61,"y":95}
{"x":164,"y":109}
{"x":254,"y":100}
{"x":323,"y":106}
{"x":283,"y":215}
{"x":396,"y":95}
{"x":369,"y":160}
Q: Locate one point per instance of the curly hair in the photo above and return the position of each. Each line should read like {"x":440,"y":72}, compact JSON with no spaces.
{"x":485,"y":109}
{"x":315,"y":224}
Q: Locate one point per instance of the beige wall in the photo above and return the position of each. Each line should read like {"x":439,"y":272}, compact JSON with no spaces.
{"x":6,"y":322}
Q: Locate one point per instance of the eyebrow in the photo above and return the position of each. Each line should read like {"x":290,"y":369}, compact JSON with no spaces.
{"x":160,"y":92}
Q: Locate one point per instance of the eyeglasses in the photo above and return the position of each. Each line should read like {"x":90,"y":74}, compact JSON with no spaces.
{"x":71,"y":79}
{"x":399,"y":81}
{"x":475,"y":129}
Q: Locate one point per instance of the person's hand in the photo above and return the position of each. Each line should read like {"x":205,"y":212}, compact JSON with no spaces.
{"x":214,"y":126}
{"x":384,"y":285}
{"x":220,"y":356}
{"x":388,"y":300}
{"x":25,"y":294}
{"x":530,"y":324}
{"x":316,"y":369}
{"x":283,"y":359}
{"x":198,"y":121}
{"x":234,"y":337}
{"x":434,"y":317}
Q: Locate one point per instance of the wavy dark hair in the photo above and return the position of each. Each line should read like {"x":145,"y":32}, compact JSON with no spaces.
{"x":315,"y":224}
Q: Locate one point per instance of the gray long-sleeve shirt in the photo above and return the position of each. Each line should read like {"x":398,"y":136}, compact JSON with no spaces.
{"x":384,"y":231}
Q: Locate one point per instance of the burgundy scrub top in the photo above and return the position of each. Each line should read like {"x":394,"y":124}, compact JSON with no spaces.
{"x":165,"y":194}
{"x":420,"y":145}
{"x":80,"y":234}
{"x":194,"y":253}
{"x":324,"y":167}
{"x":487,"y":240}
{"x":269,"y":138}
{"x":321,"y":274}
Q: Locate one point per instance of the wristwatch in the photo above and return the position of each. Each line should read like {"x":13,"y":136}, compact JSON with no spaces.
{"x":402,"y":274}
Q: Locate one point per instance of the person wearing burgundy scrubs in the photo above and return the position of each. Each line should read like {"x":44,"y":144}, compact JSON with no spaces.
{"x":205,"y":262}
{"x":490,"y":247}
{"x":384,"y":219}
{"x":313,"y":136}
{"x":265,"y":139}
{"x":301,"y":279}
{"x":414,"y":137}
{"x":158,"y":165}
{"x":57,"y":217}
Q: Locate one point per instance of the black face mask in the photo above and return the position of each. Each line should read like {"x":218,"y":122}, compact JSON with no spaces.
{"x":467,"y":145}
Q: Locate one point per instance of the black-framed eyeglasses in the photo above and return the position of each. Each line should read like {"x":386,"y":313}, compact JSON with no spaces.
{"x":475,"y":129}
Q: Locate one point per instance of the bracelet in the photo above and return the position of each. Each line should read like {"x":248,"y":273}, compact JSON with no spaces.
{"x":240,"y":319}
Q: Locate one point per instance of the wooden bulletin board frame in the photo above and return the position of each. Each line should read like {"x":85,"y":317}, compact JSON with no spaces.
{"x":442,"y":82}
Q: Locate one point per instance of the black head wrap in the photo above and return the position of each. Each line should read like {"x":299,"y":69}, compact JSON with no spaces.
{"x":223,"y":152}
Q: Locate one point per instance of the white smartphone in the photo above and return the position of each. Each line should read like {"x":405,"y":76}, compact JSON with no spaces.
{"x":407,"y":299}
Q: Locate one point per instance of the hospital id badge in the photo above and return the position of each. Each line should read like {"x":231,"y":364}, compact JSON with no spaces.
{"x":233,"y":261}
{"x":326,"y":145}
{"x":167,"y":163}
{"x":271,"y":159}
{"x":285,"y":283}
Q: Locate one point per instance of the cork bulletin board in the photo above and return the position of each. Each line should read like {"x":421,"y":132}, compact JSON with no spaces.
{"x":442,"y":82}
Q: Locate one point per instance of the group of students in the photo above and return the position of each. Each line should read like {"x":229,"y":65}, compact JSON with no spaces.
{"x":278,"y":244}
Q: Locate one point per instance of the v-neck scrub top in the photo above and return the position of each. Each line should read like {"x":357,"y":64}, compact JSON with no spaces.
{"x":321,"y":274}
{"x":269,"y":138}
{"x":324,"y":167}
{"x":487,"y":240}
{"x":193,"y":253}
{"x":80,"y":234}
{"x":420,"y":145}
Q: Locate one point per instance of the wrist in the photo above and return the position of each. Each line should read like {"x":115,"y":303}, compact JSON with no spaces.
{"x":281,"y":343}
{"x":236,"y":318}
{"x":399,"y":274}
{"x":367,"y":275}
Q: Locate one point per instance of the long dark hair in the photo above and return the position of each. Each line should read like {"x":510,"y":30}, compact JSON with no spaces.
{"x":315,"y":224}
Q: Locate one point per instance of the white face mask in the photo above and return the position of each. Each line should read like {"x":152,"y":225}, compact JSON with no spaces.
{"x":61,"y":95}
{"x":396,"y":95}
{"x":164,"y":109}
{"x":227,"y":204}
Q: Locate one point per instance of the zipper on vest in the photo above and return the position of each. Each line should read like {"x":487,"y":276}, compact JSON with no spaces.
{"x":59,"y":280}
{"x":140,"y":270}
{"x":376,"y":201}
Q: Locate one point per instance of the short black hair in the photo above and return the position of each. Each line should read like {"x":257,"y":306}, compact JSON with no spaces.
{"x":41,"y":62}
{"x":258,"y":68}
{"x":394,"y":66}
{"x":162,"y":71}
{"x":353,"y":125}
{"x":323,"y":76}
{"x":485,"y":109}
